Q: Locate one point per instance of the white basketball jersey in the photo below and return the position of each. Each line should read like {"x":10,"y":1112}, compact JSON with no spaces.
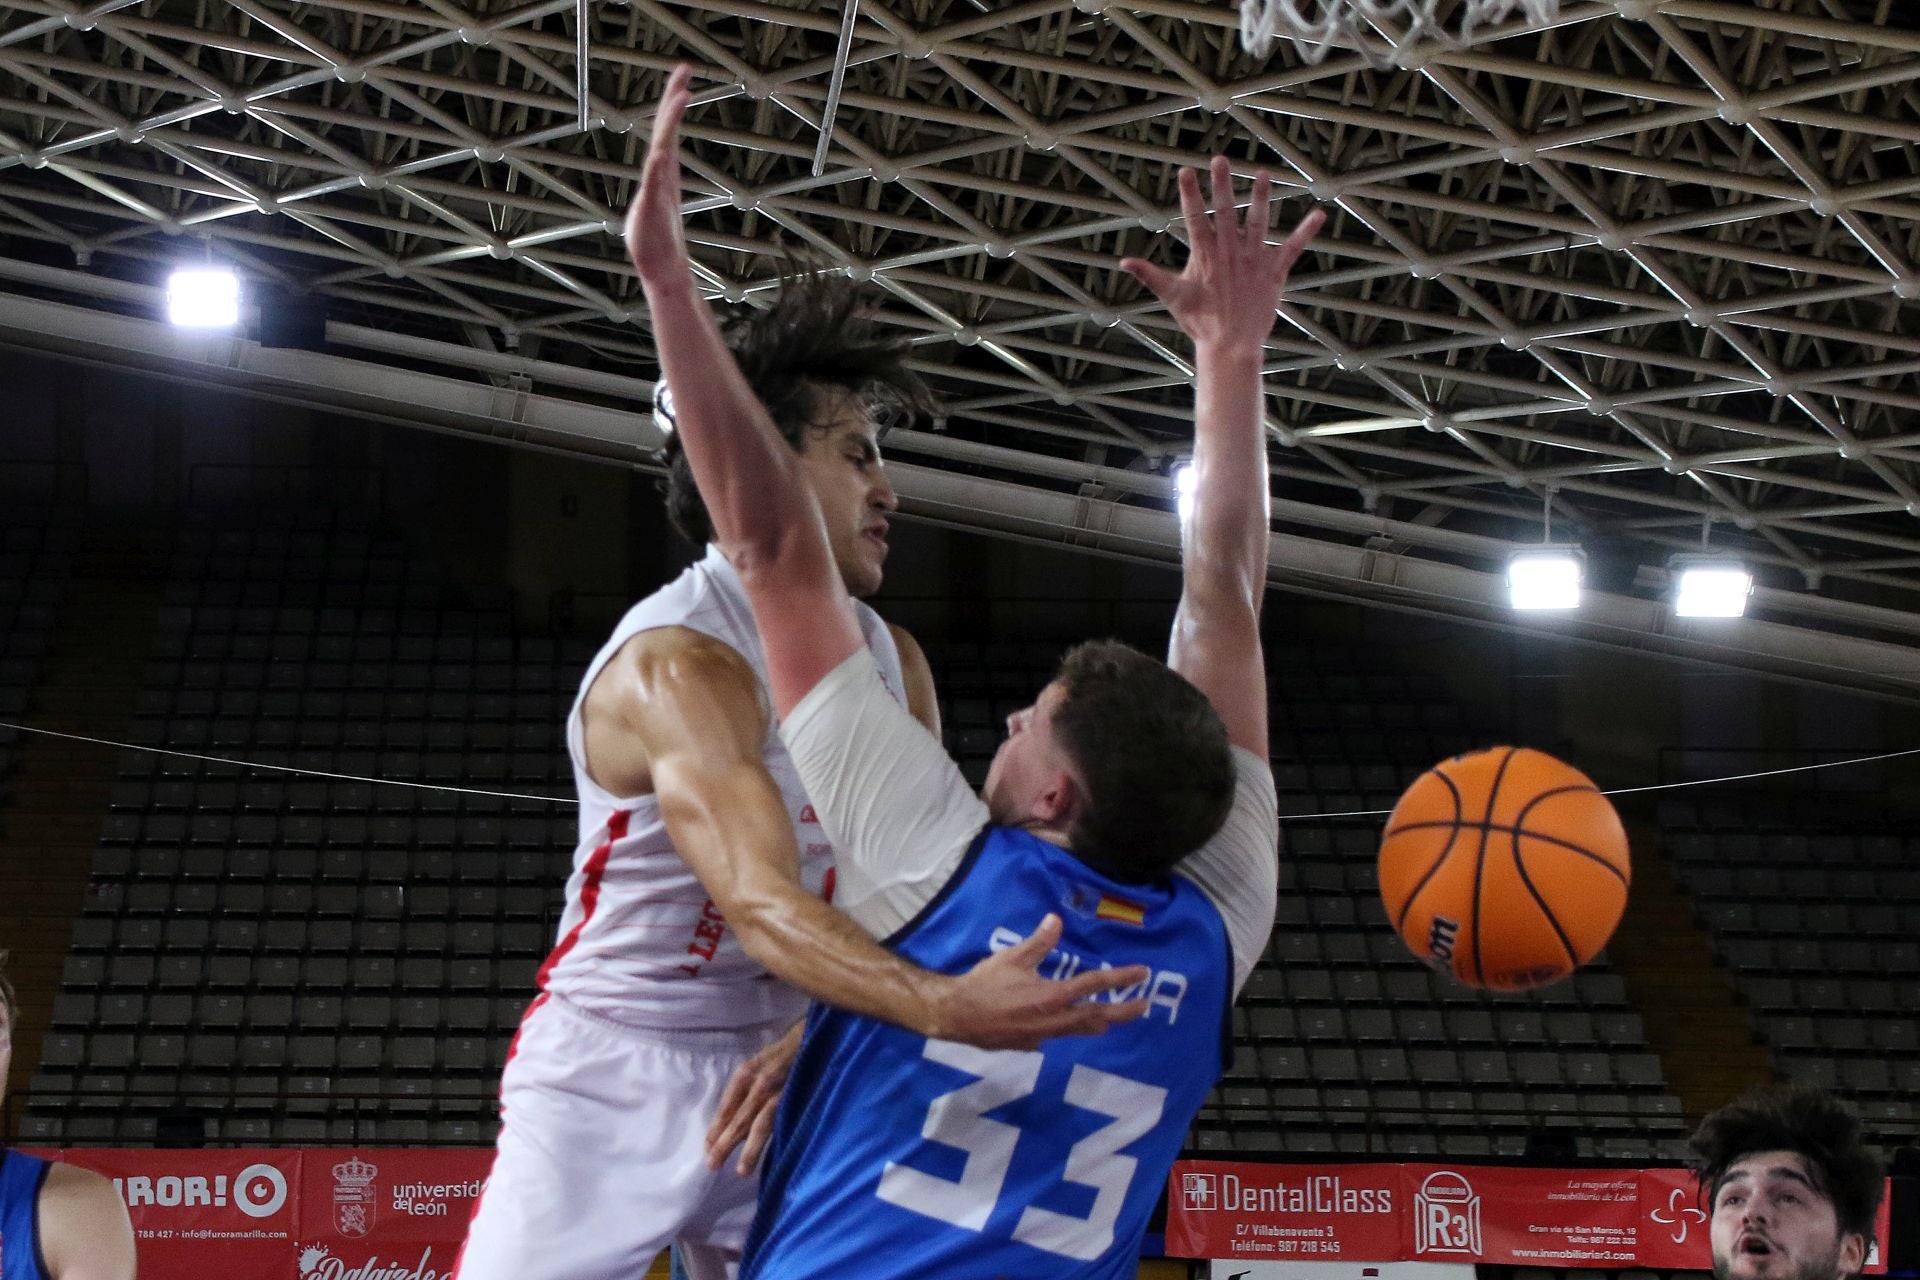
{"x":641,"y":942}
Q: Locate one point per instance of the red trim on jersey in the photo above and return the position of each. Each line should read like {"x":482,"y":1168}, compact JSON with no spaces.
{"x":589,"y":899}
{"x":589,"y":894}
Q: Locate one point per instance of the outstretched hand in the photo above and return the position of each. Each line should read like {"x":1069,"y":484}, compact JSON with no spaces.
{"x":656,"y":245}
{"x":1004,"y":1003}
{"x":1233,"y":278}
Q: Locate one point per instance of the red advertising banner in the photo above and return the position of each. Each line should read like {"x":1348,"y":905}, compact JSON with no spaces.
{"x":198,"y":1213}
{"x":390,"y":1214}
{"x":311,"y":1214}
{"x":1445,"y":1213}
{"x":1522,"y":1217}
{"x":1673,"y":1221}
{"x":1312,"y":1212}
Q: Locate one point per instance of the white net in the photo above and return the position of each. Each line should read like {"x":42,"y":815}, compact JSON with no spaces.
{"x":1316,"y":27}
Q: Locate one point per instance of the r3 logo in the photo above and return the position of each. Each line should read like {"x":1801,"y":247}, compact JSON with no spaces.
{"x":958,"y":1119}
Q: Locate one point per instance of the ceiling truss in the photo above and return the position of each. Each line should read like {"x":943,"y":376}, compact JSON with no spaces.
{"x":1654,"y":266}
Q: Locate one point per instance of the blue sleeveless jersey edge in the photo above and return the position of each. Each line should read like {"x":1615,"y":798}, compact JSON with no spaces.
{"x":21,"y":1177}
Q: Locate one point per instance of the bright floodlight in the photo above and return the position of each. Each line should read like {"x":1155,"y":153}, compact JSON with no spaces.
{"x":1707,"y":588}
{"x":1183,"y":491}
{"x":203,"y":298}
{"x":1545,"y":578}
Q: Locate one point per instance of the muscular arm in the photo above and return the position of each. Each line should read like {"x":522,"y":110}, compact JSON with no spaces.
{"x":692,"y":709}
{"x":765,"y":518}
{"x":84,"y":1230}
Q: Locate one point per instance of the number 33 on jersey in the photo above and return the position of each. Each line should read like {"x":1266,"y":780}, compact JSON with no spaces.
{"x":899,"y":1156}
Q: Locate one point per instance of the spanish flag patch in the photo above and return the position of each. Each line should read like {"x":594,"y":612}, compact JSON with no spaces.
{"x":1112,"y":908}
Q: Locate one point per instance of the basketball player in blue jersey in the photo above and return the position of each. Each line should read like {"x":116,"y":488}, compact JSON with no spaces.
{"x":56,"y":1222}
{"x":1131,"y":804}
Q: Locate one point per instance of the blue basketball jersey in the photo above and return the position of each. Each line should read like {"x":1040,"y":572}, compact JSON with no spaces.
{"x":20,"y":1180}
{"x":898,"y":1156}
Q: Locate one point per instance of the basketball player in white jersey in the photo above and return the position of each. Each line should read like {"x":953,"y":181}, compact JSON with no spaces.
{"x":1133,"y":798}
{"x":699,"y":879}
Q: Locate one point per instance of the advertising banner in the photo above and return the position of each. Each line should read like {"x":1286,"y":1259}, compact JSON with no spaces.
{"x":1384,"y":1213}
{"x":1523,"y":1217}
{"x":199,"y":1213}
{"x":1673,"y":1221}
{"x":386,"y":1214}
{"x":1239,"y":1269}
{"x":1221,"y":1210}
{"x":310,"y":1214}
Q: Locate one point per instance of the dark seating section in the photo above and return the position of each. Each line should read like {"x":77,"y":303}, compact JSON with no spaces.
{"x":314,"y":957}
{"x":1810,"y":906}
{"x":1343,"y":1042}
{"x":298,"y":958}
{"x":35,"y":563}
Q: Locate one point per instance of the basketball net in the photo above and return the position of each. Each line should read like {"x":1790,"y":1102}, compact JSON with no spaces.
{"x":1315,"y":26}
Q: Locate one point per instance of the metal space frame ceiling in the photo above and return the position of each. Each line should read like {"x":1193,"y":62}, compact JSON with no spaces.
{"x":1653,"y":265}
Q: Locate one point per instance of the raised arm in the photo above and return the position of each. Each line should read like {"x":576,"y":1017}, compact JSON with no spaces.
{"x":765,"y":519}
{"x":767,"y":522}
{"x":1225,"y":301}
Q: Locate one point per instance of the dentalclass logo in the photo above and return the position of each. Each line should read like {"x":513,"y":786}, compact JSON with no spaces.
{"x":353,"y":1197}
{"x":318,"y":1263}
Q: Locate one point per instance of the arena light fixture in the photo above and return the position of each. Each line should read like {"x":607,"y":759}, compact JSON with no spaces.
{"x":203,"y":298}
{"x":1708,"y":586}
{"x":1183,"y":482}
{"x":1545,"y":578}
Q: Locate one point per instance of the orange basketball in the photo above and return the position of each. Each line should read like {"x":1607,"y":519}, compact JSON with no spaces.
{"x":1504,"y":868}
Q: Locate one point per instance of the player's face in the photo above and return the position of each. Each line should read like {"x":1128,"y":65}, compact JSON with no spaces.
{"x":1029,"y":762}
{"x":841,"y":461}
{"x":1769,"y":1223}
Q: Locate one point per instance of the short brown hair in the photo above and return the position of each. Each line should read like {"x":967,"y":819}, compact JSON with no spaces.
{"x":1153,"y":754}
{"x":1812,"y":1124}
{"x":812,"y":339}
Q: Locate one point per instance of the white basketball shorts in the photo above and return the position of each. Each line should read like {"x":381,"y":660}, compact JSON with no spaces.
{"x":601,"y":1162}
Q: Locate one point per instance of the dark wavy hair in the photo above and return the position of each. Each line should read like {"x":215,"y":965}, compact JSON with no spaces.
{"x":811,"y":342}
{"x":1153,"y":754}
{"x":1809,"y":1122}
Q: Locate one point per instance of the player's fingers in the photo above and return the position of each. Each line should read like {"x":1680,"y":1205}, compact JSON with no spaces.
{"x":1259,"y":212}
{"x":673,"y":103}
{"x":733,"y":1095}
{"x":1193,"y":210}
{"x":719,"y":1146}
{"x":1032,"y":949}
{"x":1156,"y":278}
{"x":1121,"y":1011}
{"x":1223,"y":220}
{"x":661,"y":173}
{"x":1296,"y":243}
{"x":1099,"y":982}
{"x":756,"y":1141}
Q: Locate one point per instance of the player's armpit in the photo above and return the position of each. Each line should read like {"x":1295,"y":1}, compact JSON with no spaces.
{"x":84,"y":1230}
{"x":917,"y":674}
